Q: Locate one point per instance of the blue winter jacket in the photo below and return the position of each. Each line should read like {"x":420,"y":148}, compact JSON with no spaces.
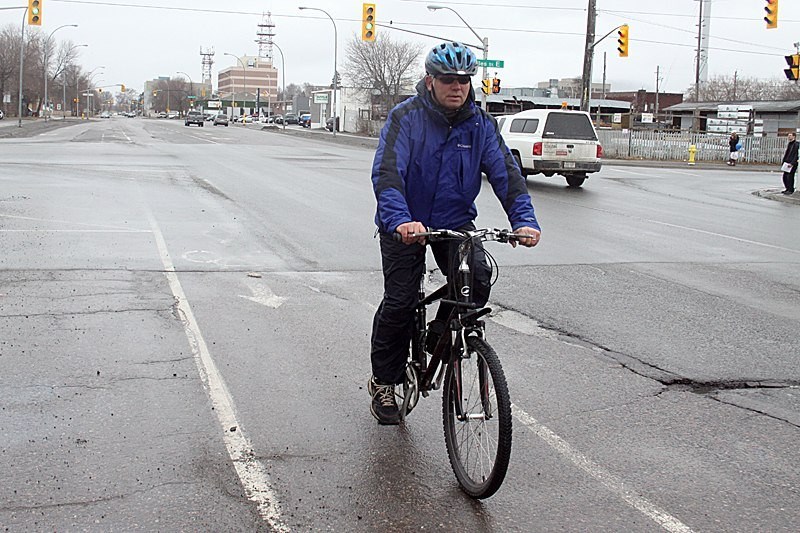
{"x":428,"y":168}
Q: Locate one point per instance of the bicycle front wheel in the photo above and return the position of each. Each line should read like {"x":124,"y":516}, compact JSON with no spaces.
{"x":476,"y":411}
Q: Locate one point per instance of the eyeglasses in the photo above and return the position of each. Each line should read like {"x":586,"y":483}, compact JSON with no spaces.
{"x":451,"y":79}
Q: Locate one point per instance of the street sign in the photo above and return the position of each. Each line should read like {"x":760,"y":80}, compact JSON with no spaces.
{"x":320,"y":98}
{"x":491,"y":63}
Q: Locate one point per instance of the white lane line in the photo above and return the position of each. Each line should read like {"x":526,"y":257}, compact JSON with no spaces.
{"x":103,"y":227}
{"x":252,"y":473}
{"x":74,"y":231}
{"x":609,"y":480}
{"x":714,"y":234}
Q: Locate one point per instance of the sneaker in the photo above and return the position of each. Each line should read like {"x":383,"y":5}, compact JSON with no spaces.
{"x":384,"y":405}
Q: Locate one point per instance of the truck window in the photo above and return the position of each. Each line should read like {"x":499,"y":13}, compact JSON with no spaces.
{"x":524,"y":125}
{"x":569,"y":126}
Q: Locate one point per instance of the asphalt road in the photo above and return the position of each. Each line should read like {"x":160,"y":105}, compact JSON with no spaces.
{"x":184,"y":336}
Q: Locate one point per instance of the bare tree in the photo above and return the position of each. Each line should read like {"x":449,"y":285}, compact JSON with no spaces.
{"x":738,"y":89}
{"x":384,"y":68}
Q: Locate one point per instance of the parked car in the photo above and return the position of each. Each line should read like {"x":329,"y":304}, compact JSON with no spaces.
{"x":105,"y":114}
{"x":290,"y":118}
{"x":329,"y":124}
{"x":550,"y":141}
{"x":277,"y":119}
{"x":173,"y":114}
{"x":162,"y":114}
{"x":304,"y":120}
{"x":221,"y":120}
{"x":194,"y":117}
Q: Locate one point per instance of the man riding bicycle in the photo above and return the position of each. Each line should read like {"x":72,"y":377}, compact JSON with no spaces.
{"x":427,"y":173}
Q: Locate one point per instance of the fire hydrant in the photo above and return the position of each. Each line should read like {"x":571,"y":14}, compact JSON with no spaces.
{"x":692,"y":152}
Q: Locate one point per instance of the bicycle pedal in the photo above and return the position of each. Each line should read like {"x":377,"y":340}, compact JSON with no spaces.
{"x":425,"y":394}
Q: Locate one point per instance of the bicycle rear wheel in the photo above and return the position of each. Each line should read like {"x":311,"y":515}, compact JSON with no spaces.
{"x":476,"y":411}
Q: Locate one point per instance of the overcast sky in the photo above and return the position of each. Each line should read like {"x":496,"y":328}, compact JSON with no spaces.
{"x":536,"y":40}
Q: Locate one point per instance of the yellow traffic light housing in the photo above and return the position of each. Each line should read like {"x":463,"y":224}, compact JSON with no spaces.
{"x":495,"y":85}
{"x":623,"y":40}
{"x":771,"y":18}
{"x":35,"y":12}
{"x":793,"y":72}
{"x":487,"y":86}
{"x":122,"y":88}
{"x":368,"y":23}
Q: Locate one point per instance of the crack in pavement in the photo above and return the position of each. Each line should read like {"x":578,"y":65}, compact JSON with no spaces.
{"x":670,"y":380}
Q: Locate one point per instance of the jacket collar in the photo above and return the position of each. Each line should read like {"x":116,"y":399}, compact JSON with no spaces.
{"x":463,"y":113}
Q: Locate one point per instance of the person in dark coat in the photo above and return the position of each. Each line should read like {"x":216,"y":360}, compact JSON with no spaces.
{"x":733,"y":143}
{"x":790,"y":157}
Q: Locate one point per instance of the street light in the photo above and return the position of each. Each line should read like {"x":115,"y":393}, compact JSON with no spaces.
{"x":283,"y":76}
{"x":335,"y":72}
{"x":46,"y":61}
{"x":88,"y":82}
{"x":64,"y":84}
{"x":483,"y":40}
{"x":244,"y":89}
{"x":191,"y":86}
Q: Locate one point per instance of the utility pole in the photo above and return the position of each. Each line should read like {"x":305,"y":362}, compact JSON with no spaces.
{"x":588,"y":54}
{"x":603,"y":89}
{"x":735,"y":83}
{"x":696,"y":113}
{"x":658,"y":69}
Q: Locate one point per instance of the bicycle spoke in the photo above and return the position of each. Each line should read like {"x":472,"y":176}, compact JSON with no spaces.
{"x":478,"y":441}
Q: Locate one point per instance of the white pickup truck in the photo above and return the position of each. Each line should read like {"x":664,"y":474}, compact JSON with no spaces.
{"x":550,"y":141}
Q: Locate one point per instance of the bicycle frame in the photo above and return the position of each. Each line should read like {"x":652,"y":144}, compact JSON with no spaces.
{"x":462,"y":320}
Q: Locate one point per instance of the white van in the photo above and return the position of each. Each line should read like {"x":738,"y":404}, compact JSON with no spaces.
{"x":553,"y":141}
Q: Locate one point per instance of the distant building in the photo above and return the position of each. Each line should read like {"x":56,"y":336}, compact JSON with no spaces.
{"x":571,"y":87}
{"x":643,"y":101}
{"x":775,"y":117}
{"x":257,"y":79}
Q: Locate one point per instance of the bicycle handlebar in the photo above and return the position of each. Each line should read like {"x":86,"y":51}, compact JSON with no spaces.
{"x":485,"y":234}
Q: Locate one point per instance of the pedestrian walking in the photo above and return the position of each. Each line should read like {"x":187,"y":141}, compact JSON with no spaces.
{"x":734,"y":145}
{"x":790,"y":164}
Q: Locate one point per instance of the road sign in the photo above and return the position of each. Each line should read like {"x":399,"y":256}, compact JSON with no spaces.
{"x":320,"y":98}
{"x":491,"y":63}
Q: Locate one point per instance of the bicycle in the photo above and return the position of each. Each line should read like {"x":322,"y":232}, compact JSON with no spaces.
{"x":476,"y":408}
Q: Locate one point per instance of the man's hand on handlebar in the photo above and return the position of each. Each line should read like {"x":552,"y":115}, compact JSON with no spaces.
{"x":408,"y":230}
{"x":526,"y":236}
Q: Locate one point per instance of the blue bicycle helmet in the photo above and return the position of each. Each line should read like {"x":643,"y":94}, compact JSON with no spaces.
{"x":451,"y":58}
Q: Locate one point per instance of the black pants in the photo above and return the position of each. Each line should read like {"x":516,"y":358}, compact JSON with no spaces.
{"x":788,"y":179}
{"x":392,"y":326}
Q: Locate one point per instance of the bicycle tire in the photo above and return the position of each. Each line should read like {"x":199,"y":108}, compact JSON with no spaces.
{"x":479,"y":449}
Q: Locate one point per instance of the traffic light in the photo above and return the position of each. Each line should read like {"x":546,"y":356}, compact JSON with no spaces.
{"x":122,"y":88}
{"x":487,"y":86}
{"x":623,"y":40}
{"x":496,"y":85}
{"x":793,"y":72}
{"x":771,"y":17}
{"x":368,"y":22}
{"x":35,"y":12}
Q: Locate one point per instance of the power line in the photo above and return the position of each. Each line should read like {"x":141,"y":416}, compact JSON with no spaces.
{"x":484,"y":28}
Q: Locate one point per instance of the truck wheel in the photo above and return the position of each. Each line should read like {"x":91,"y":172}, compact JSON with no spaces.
{"x":518,"y":159}
{"x":575,"y":181}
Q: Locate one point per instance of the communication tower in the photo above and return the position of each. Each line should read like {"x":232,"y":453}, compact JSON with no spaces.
{"x":208,"y":62}
{"x":264,"y":35}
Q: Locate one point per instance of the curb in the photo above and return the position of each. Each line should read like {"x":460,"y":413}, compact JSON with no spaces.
{"x":778,"y":196}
